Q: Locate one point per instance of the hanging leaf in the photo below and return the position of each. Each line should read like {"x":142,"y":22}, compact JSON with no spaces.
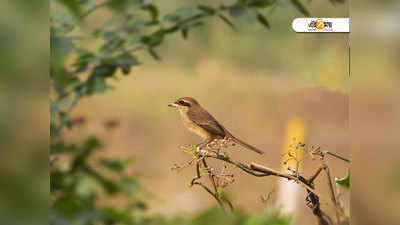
{"x":154,"y":54}
{"x":299,"y":6}
{"x":207,"y":9}
{"x":263,"y":20}
{"x":185,"y":32}
{"x":126,"y":61}
{"x":154,"y":12}
{"x":344,"y":182}
{"x":227,"y":21}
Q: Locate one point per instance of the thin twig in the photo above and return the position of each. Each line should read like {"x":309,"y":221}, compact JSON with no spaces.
{"x":210,"y":192}
{"x":332,"y":192}
{"x":316,"y":174}
{"x":197,"y":174}
{"x":338,"y":156}
{"x":269,"y":171}
{"x":339,"y":198}
{"x":210,"y":175}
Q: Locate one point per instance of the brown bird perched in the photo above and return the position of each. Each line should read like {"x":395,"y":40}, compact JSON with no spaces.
{"x":200,"y":122}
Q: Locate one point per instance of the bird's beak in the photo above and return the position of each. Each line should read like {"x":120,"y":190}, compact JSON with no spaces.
{"x":173,"y":104}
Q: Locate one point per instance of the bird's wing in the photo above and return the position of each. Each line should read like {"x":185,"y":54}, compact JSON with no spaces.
{"x":207,"y":122}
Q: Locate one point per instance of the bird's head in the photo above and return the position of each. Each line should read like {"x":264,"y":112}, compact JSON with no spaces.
{"x":184,"y":104}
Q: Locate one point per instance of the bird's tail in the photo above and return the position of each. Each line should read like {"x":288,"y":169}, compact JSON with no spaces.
{"x":245,"y":145}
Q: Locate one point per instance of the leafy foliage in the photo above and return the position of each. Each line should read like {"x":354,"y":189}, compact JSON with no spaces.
{"x":78,"y":184}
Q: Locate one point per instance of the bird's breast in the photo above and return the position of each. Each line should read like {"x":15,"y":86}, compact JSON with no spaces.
{"x":193,"y":127}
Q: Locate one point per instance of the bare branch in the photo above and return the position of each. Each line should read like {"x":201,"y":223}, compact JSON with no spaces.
{"x":332,"y":193}
{"x":210,"y":192}
{"x":257,"y":170}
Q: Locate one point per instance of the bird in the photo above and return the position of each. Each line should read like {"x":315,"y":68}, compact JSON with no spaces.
{"x":197,"y":120}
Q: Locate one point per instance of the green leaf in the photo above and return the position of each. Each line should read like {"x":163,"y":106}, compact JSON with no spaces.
{"x":117,"y":165}
{"x":60,"y":147}
{"x":95,"y":84}
{"x":338,"y":156}
{"x":109,"y":186}
{"x":73,"y":6}
{"x":154,"y":12}
{"x":83,"y":60}
{"x":344,"y":182}
{"x":56,"y":181}
{"x":227,"y":21}
{"x":154,"y":39}
{"x":126,"y":61}
{"x":118,"y":4}
{"x":258,"y":3}
{"x":185,"y":32}
{"x":263,"y":20}
{"x":300,"y":7}
{"x":104,"y":70}
{"x":207,"y":9}
{"x":91,"y":143}
{"x":129,"y":185}
{"x":154,"y":54}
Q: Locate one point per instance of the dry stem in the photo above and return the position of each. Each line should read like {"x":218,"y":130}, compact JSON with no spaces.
{"x":313,"y":198}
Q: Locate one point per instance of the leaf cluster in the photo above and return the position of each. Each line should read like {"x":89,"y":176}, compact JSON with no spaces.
{"x":77,"y":184}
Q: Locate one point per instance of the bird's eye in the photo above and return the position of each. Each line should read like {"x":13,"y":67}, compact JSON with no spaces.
{"x":181,"y":102}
